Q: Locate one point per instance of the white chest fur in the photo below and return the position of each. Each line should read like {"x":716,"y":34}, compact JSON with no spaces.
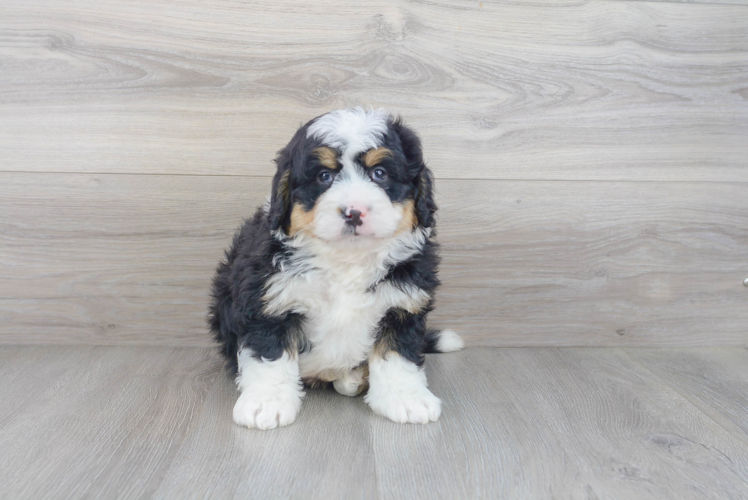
{"x":332,"y":289}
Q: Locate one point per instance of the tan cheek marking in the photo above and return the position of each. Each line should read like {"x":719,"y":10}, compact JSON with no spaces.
{"x":327,"y":157}
{"x":409,"y":220}
{"x":301,"y":220}
{"x":374,"y":156}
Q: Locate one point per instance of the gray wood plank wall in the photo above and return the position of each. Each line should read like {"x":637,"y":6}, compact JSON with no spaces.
{"x":591,"y":158}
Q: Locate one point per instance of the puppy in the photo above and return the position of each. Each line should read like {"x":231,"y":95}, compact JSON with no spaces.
{"x":331,"y":281}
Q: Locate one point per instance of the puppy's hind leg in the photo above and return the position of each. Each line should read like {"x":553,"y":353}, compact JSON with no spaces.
{"x":353,"y":382}
{"x":271,"y":391}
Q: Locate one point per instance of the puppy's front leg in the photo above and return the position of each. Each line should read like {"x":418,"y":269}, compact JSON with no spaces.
{"x":398,"y":390}
{"x":397,"y":383}
{"x":271,"y":390}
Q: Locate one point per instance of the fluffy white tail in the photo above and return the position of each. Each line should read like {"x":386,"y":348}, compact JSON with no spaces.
{"x":443,"y":341}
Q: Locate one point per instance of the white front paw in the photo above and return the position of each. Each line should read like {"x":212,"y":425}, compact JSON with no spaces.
{"x":418,"y":407}
{"x":266,"y":409}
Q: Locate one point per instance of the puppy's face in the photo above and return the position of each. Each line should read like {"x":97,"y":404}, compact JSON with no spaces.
{"x":352,"y":175}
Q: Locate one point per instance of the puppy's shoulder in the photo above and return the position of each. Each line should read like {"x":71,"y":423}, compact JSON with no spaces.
{"x":420,"y":270}
{"x":254,"y":240}
{"x":249,"y":261}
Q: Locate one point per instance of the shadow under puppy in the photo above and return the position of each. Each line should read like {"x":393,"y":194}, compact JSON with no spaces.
{"x":332,"y":280}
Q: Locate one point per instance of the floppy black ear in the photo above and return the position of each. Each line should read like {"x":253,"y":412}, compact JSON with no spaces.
{"x":280,"y":198}
{"x":423,"y":179}
{"x":424,"y":198}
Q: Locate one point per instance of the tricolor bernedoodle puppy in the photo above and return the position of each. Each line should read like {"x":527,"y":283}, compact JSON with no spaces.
{"x":331,"y":281}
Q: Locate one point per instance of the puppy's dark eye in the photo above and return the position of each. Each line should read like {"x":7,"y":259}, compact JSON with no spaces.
{"x":378,"y":174}
{"x":325,"y":177}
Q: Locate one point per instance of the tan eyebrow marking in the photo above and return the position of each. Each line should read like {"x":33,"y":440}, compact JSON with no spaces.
{"x":375,"y":156}
{"x":327,"y":157}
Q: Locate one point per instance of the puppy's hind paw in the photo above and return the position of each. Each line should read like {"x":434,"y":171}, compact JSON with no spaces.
{"x":352,"y":383}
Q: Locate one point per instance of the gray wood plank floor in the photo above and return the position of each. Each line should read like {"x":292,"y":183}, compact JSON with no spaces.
{"x":155,"y":422}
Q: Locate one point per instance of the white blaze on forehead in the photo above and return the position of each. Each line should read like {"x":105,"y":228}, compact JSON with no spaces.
{"x":351,"y":131}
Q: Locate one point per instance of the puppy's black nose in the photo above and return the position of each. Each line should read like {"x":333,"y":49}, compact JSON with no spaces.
{"x":353,"y":217}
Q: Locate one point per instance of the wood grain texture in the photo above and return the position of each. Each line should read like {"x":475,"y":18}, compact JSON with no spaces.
{"x":594,"y":263}
{"x":110,"y":424}
{"x":26,"y":372}
{"x":532,"y":423}
{"x":714,"y":380}
{"x":557,"y":423}
{"x":501,"y":90}
{"x":724,"y":2}
{"x":327,"y":453}
{"x":123,"y":259}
